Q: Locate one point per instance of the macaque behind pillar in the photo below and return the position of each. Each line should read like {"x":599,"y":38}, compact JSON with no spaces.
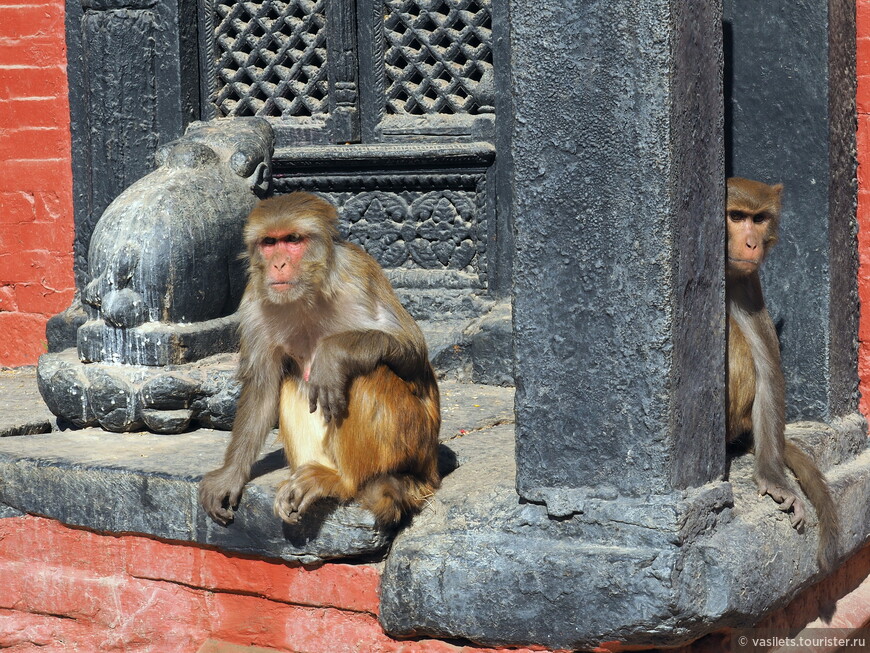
{"x":756,"y":386}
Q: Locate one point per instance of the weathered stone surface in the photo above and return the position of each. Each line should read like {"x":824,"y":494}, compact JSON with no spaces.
{"x":150,"y":484}
{"x":482,"y":564}
{"x":61,"y":330}
{"x":466,"y":408}
{"x":800,"y":58}
{"x":117,"y":396}
{"x":164,"y":270}
{"x":478,"y":562}
{"x":167,"y":421}
{"x":6,"y":511}
{"x":448,"y":349}
{"x":167,"y":391}
{"x":217,"y":407}
{"x":125,"y":397}
{"x":492,"y":351}
{"x":134,"y":85}
{"x":157,"y":343}
{"x":112,"y":400}
{"x":22,"y":412}
{"x":618,"y":291}
{"x":151,"y":480}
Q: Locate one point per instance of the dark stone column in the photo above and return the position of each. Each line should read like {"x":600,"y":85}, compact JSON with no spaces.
{"x":134,"y":85}
{"x":618,"y":272}
{"x":790,"y":93}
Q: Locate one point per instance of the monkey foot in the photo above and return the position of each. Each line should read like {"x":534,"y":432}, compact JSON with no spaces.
{"x":296,"y":494}
{"x":787,"y":500}
{"x":286,"y":507}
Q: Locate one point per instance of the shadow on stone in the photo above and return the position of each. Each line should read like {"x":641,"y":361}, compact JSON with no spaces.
{"x":447,"y":461}
{"x":271,"y":462}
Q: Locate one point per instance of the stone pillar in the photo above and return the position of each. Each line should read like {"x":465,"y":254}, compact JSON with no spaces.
{"x":790,"y":93}
{"x":618,"y":195}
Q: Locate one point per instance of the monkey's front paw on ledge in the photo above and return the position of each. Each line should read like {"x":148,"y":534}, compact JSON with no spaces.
{"x":219,"y":495}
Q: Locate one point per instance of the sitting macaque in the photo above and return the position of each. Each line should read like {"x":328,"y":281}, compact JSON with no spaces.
{"x":756,"y":386}
{"x":327,"y":348}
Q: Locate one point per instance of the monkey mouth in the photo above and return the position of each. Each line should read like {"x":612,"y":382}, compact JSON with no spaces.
{"x":282,"y":285}
{"x":745,"y":261}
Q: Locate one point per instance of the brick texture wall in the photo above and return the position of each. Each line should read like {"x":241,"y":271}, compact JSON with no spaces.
{"x":68,"y":589}
{"x":36,"y":219}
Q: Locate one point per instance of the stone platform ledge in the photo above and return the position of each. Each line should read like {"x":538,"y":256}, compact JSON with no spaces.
{"x":147,"y":483}
{"x":653,"y":571}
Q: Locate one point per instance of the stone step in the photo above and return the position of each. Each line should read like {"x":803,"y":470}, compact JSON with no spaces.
{"x":147,"y":483}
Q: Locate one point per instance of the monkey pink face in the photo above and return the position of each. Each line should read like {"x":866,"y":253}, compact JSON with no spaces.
{"x":282,"y":258}
{"x":747,"y":240}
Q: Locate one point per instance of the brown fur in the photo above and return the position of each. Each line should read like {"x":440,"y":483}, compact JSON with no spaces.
{"x":756,"y":386}
{"x":359,"y":404}
{"x":741,"y":382}
{"x":398,"y":438}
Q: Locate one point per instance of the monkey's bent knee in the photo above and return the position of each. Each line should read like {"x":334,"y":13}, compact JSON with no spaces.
{"x":381,"y":384}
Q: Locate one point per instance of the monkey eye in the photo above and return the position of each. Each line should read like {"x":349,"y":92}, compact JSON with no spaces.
{"x":737,"y":216}
{"x":269,"y":241}
{"x":758,"y":218}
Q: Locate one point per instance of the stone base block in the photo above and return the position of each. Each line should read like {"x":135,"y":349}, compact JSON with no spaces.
{"x":483,"y":565}
{"x":157,"y":343}
{"x":146,"y":483}
{"x":116,"y":397}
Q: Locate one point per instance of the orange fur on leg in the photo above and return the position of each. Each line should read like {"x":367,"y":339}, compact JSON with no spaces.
{"x":384,"y":453}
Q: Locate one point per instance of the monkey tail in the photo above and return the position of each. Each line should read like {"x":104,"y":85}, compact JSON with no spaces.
{"x":813,"y":484}
{"x":391,"y":497}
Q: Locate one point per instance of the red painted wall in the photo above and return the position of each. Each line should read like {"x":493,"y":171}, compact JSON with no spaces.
{"x":36,"y":215}
{"x":66,"y":589}
{"x":69,"y":589}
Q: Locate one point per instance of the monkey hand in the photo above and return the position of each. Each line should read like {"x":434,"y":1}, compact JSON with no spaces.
{"x":787,"y":500}
{"x":219,"y":494}
{"x":327,"y":385}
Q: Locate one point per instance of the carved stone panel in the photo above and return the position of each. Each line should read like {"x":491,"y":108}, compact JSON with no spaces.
{"x":351,"y":71}
{"x":121,"y":95}
{"x":432,"y":223}
{"x":293,"y":61}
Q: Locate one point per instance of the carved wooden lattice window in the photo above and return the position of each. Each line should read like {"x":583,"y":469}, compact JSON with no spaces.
{"x":271,"y":58}
{"x":350,"y":70}
{"x":438,"y":56}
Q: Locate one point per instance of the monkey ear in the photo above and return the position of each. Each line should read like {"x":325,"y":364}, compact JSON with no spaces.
{"x":777,"y":189}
